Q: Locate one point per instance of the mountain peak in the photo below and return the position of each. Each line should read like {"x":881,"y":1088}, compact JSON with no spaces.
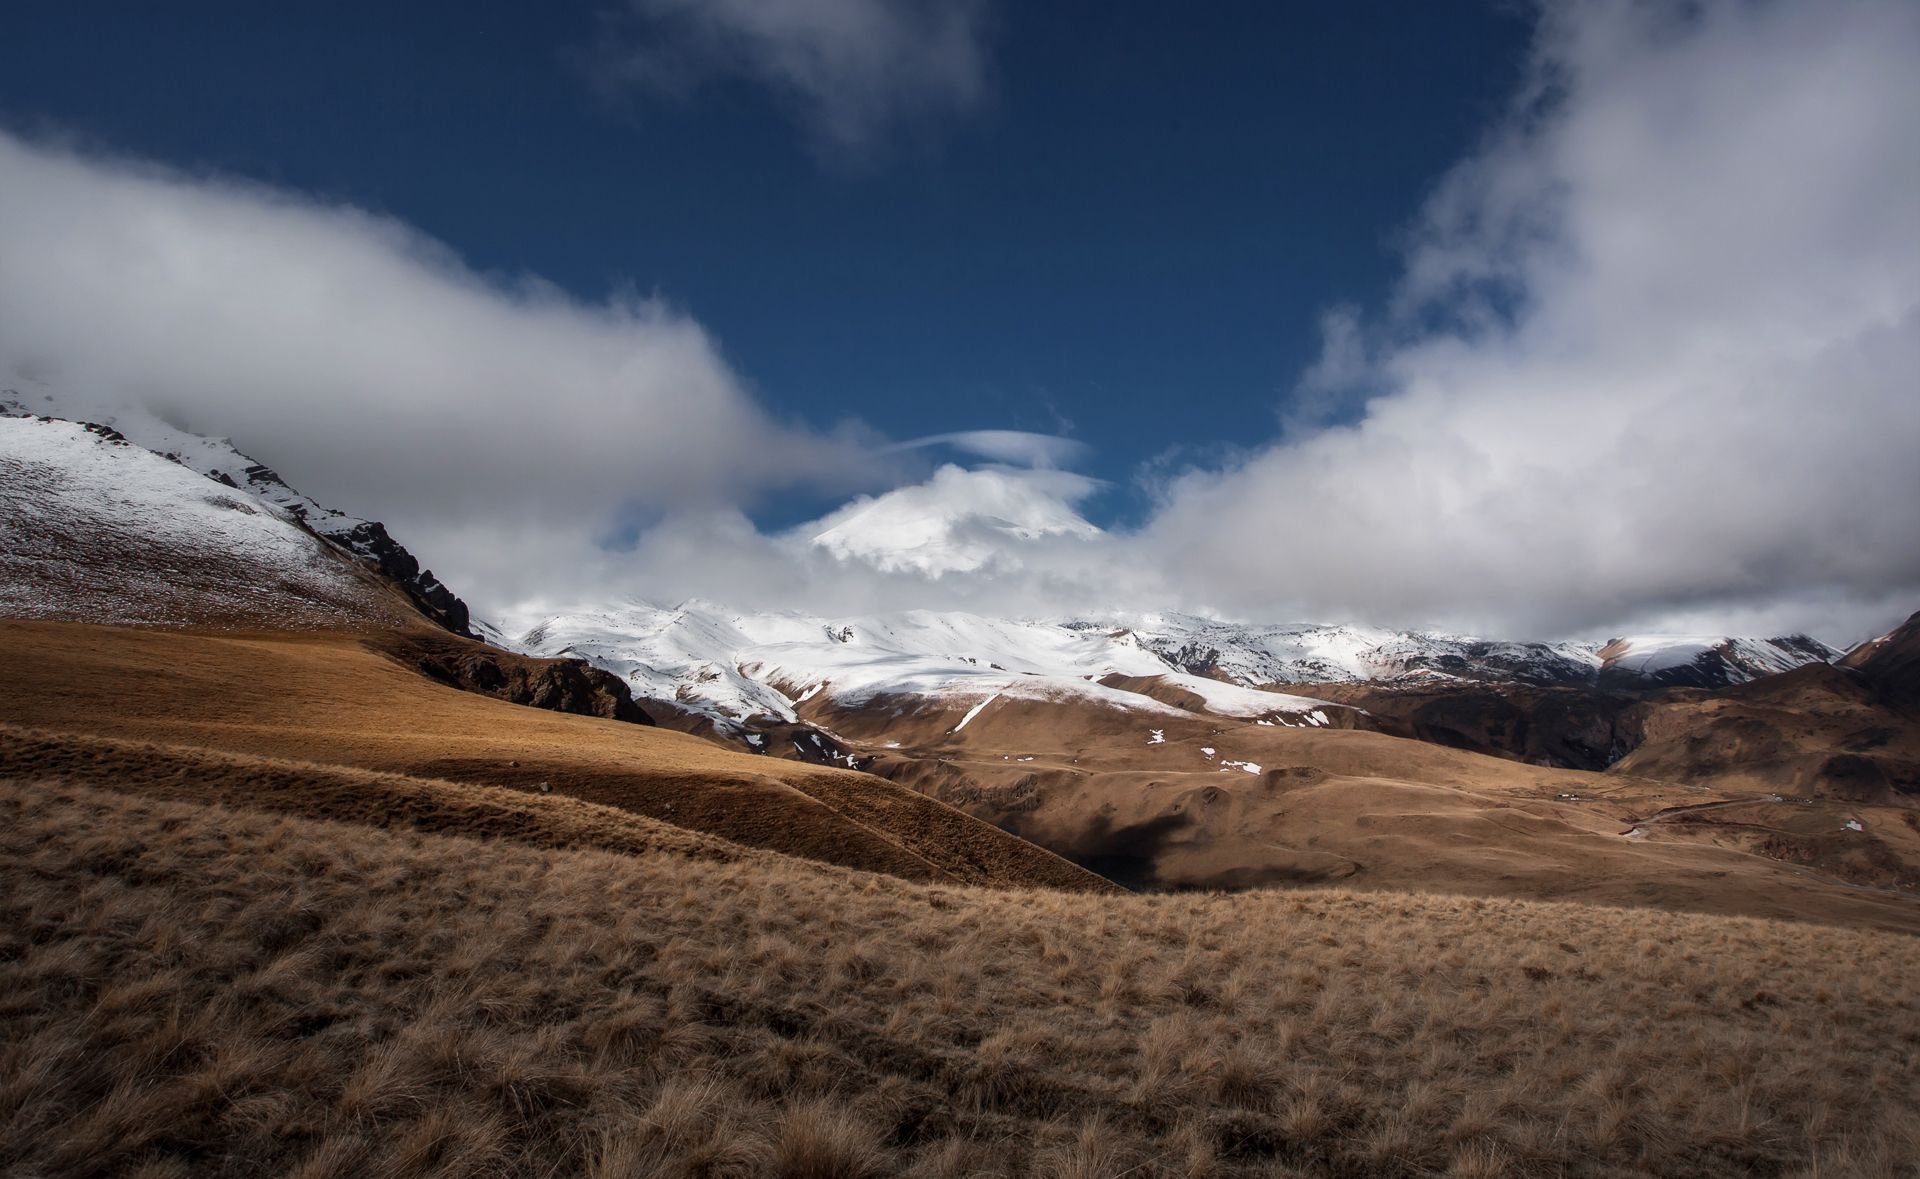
{"x":959,"y":521}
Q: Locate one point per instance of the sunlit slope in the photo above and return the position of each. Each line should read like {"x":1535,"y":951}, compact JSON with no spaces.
{"x":333,"y":698}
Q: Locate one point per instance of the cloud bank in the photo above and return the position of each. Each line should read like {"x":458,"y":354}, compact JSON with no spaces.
{"x":1655,"y":356}
{"x":496,"y":424}
{"x":853,"y":71}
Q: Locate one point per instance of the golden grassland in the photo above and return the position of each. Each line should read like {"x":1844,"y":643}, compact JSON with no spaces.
{"x":1378,"y":811}
{"x":188,"y":988}
{"x":336,"y":698}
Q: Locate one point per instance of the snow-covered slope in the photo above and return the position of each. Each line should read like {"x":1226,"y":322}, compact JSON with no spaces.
{"x":1308,"y":654}
{"x":960,"y":521}
{"x":1305,"y":654}
{"x":1709,"y":661}
{"x":733,"y":666}
{"x":95,"y":528}
{"x":219,"y":460}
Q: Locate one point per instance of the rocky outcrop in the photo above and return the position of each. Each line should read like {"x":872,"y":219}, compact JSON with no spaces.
{"x":558,"y":685}
{"x":368,"y":542}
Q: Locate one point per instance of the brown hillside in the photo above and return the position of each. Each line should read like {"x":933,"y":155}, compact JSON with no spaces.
{"x":333,"y":698}
{"x":1370,"y":810}
{"x":1892,"y":664}
{"x":192,"y":990}
{"x":1818,"y":731}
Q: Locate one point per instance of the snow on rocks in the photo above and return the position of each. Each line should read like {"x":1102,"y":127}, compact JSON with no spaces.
{"x":183,"y":548}
{"x":733,"y":665}
{"x":1224,"y":699}
{"x":1706,"y":660}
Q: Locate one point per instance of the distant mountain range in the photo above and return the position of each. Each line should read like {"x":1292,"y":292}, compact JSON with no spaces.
{"x":735,"y":667}
{"x":740,"y":669}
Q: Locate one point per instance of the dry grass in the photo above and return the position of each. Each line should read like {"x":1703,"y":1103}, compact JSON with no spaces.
{"x":187,"y":989}
{"x":339,"y":793}
{"x":1364,"y":809}
{"x":335,"y":699}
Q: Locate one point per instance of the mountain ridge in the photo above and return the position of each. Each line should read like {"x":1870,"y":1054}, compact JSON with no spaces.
{"x":367,"y":541}
{"x":733,"y":666}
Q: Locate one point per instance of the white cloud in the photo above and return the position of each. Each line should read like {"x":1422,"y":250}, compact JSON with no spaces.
{"x":1003,"y":446}
{"x":494,"y":424}
{"x":854,"y":69}
{"x":1656,"y":354}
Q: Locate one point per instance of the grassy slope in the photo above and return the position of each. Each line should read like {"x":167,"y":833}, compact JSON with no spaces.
{"x":1371,"y":810}
{"x":191,"y":990}
{"x":328,"y":697}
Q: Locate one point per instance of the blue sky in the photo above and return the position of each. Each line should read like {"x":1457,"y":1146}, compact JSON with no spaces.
{"x":1583,"y":318}
{"x":1129,"y":237}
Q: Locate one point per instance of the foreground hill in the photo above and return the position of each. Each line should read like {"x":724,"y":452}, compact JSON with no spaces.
{"x":189,"y":989}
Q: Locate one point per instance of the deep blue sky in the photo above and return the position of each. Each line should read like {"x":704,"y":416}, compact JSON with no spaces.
{"x":1130,"y":242}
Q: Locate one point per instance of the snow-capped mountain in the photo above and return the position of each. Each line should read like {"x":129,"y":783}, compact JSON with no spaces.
{"x":1255,"y":654}
{"x":1709,"y":661}
{"x":960,"y":521}
{"x":219,"y":460}
{"x":1306,"y":654}
{"x":737,"y":666}
{"x":734,"y":666}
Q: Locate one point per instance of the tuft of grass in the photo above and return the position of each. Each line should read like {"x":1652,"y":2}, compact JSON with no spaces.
{"x":194,"y":989}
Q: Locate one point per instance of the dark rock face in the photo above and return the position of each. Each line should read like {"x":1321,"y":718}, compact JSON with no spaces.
{"x":558,"y":685}
{"x":369,"y":542}
{"x":1569,"y":728}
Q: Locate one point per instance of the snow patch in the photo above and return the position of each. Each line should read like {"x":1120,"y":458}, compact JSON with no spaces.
{"x":973,"y":712}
